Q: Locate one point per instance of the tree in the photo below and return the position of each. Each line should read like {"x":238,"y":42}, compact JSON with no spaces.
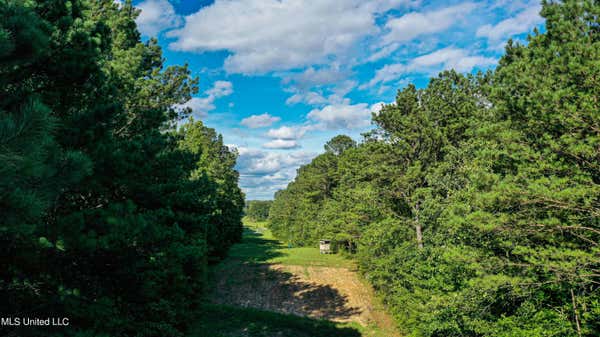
{"x":474,"y":201}
{"x":105,"y":206}
{"x":217,"y":163}
{"x":258,"y":210}
{"x":338,"y":144}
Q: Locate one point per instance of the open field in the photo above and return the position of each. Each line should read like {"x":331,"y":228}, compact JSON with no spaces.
{"x":263,"y":286}
{"x":259,"y":246}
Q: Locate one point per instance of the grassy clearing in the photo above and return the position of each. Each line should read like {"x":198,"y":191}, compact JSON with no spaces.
{"x":259,"y":246}
{"x":261,"y":272}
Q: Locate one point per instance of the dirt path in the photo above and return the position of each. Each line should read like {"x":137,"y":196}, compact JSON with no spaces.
{"x":323,"y":292}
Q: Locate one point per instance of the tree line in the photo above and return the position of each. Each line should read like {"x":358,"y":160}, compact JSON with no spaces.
{"x":109,"y":212}
{"x":258,"y":210}
{"x":473,"y":205}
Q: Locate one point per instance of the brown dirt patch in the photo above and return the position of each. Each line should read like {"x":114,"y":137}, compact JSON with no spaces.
{"x":335,"y":294}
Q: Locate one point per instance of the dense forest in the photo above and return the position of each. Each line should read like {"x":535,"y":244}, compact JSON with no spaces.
{"x":473,"y":206}
{"x":110,"y":209}
{"x":258,"y":210}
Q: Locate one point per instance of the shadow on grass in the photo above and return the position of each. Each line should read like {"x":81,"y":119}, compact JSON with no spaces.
{"x":254,"y":248}
{"x":225,"y":321}
{"x":245,"y":279}
{"x":264,"y":287}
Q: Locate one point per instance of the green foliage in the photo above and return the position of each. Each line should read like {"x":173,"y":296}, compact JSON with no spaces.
{"x":338,"y":144}
{"x":216,"y":163}
{"x":258,"y":210}
{"x":108,"y":214}
{"x":473,"y":206}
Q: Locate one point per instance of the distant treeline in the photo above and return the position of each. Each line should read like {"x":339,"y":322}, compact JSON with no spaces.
{"x":258,"y":210}
{"x":473,"y":206}
{"x":108,"y":213}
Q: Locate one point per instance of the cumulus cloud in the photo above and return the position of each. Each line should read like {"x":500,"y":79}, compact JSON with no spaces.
{"x":288,"y":132}
{"x":312,"y":86}
{"x":156,"y":16}
{"x":311,"y":98}
{"x":316,"y":77}
{"x":405,"y":29}
{"x":259,"y":121}
{"x":220,"y":89}
{"x":522,"y":22}
{"x":269,"y":35}
{"x":202,"y":105}
{"x":319,"y":86}
{"x":343,"y":116}
{"x":263,"y":172}
{"x":281,"y":144}
{"x":412,"y":25}
{"x":447,"y":58}
{"x":258,"y":162}
{"x":450,"y":58}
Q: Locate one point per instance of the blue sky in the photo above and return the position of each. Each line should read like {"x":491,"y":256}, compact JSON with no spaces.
{"x":278,"y":78}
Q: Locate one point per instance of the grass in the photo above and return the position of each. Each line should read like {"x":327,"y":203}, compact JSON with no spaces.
{"x":226,"y":321}
{"x":259,"y":246}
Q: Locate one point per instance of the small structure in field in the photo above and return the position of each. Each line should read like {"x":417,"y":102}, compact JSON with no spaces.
{"x":325,"y":246}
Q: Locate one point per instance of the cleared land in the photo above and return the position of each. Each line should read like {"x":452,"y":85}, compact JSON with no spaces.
{"x":263,"y":286}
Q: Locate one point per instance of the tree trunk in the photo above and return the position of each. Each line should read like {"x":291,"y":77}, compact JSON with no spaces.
{"x":575,"y":313}
{"x":418,"y":228}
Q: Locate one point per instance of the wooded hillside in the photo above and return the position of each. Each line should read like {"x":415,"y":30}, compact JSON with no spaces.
{"x":473,"y":206}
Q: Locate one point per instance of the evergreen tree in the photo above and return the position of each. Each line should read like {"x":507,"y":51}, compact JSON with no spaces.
{"x":475,"y":200}
{"x":104,"y":212}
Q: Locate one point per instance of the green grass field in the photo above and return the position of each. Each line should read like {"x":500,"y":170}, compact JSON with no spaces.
{"x":259,"y":246}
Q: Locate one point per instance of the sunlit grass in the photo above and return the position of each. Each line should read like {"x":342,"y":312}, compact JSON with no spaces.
{"x":260,"y":246}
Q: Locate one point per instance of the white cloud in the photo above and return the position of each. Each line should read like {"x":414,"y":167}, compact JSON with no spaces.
{"x":264,"y":172}
{"x":405,"y":29}
{"x":259,"y":121}
{"x":311,"y":98}
{"x":447,"y":58}
{"x":317,"y":77}
{"x":450,"y":58}
{"x":281,"y":144}
{"x":288,"y":132}
{"x":259,"y":162}
{"x":512,"y":6}
{"x":522,"y":22}
{"x":386,"y":74}
{"x":376,"y":108}
{"x":156,"y":16}
{"x":220,"y":89}
{"x":383,"y":52}
{"x":269,"y":35}
{"x":412,"y":25}
{"x":202,"y":105}
{"x":319,"y":87}
{"x":343,"y":116}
